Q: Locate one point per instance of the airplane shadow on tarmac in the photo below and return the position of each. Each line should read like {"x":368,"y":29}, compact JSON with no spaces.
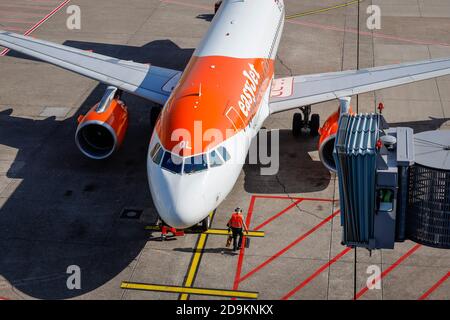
{"x":64,"y":209}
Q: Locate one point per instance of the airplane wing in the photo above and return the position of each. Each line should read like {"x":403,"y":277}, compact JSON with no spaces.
{"x":293,"y":92}
{"x":149,"y":82}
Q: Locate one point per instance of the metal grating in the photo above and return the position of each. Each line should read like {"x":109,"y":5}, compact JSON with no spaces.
{"x":428,"y":215}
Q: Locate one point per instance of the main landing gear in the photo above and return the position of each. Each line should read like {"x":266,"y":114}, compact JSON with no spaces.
{"x":304,"y":122}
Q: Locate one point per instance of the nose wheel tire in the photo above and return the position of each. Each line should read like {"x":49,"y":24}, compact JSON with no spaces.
{"x":206,"y":223}
{"x":305,"y":122}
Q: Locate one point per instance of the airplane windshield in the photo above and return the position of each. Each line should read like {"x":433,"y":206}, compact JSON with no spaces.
{"x":214,"y":159}
{"x":157,"y":153}
{"x":224,"y":153}
{"x":172,"y":162}
{"x":195,"y":164}
{"x":199,"y":163}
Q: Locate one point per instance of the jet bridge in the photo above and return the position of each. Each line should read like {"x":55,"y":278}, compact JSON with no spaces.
{"x":386,"y":196}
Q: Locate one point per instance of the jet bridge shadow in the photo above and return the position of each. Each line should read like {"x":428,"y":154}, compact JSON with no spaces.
{"x":421,"y":126}
{"x":62,"y":209}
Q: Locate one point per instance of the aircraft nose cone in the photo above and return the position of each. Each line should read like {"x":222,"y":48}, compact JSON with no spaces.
{"x":183,"y":208}
{"x":180,"y":218}
{"x":180,"y":202}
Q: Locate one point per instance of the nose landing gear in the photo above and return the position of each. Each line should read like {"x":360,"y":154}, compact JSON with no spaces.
{"x":205,"y":224}
{"x":202,"y":226}
{"x":304,"y":122}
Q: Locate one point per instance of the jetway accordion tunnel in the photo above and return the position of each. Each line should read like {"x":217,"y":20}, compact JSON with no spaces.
{"x":393,"y":185}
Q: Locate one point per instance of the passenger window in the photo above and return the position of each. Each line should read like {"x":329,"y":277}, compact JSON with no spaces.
{"x":195,"y":164}
{"x":224,"y":153}
{"x":214,"y":159}
{"x":157,"y":153}
{"x":172,"y":162}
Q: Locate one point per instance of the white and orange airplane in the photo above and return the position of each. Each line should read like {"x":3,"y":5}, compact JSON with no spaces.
{"x":228,"y":89}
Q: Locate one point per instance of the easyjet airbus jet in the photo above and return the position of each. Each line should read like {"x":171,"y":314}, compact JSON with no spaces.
{"x":213,"y":109}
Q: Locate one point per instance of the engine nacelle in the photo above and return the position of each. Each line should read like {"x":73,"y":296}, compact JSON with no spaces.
{"x":102,"y":130}
{"x":327,"y":139}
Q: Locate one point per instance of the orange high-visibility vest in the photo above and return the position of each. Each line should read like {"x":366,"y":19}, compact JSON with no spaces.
{"x":236,"y":221}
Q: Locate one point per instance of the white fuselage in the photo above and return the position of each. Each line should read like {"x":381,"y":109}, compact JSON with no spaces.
{"x":241,"y":30}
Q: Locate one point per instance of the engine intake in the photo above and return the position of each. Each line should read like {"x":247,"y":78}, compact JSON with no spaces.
{"x":102,"y":130}
{"x":327,"y":140}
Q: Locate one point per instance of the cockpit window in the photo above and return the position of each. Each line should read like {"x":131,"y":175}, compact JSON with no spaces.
{"x":195,"y":164}
{"x":157,"y":153}
{"x":172,"y":162}
{"x":224,"y":153}
{"x":214,"y":159}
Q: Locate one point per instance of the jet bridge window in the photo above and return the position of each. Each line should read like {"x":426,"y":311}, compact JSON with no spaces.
{"x":385,"y":200}
{"x":224,"y":153}
{"x":214,"y":159}
{"x":195,"y":164}
{"x":157,"y":153}
{"x":172,"y":162}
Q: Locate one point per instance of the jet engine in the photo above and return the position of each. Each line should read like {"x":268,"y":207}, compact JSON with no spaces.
{"x":328,"y":134}
{"x":102,"y":130}
{"x":327,"y":139}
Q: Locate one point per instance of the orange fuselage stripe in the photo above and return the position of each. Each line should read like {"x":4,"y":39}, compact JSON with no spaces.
{"x":216,"y":97}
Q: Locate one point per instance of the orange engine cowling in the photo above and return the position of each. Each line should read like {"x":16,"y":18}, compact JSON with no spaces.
{"x":102,"y":130}
{"x":327,"y":139}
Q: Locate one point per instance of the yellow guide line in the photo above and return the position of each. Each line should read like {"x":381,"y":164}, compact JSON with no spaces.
{"x":186,"y":291}
{"x":195,"y":261}
{"x":307,"y":13}
{"x":194,"y":264}
{"x":220,"y":232}
{"x":224,"y":232}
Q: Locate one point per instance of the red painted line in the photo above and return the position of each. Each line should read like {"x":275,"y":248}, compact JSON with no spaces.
{"x":332,"y":28}
{"x":26,"y":14}
{"x":293,"y":198}
{"x":37,"y":25}
{"x":14,"y":21}
{"x":242,"y":252}
{"x":369,"y":34}
{"x":292,"y":244}
{"x":315,"y":274}
{"x":45,"y":1}
{"x":435,"y":286}
{"x":13,"y":29}
{"x":388,"y":270}
{"x":24,"y":7}
{"x":279,"y":214}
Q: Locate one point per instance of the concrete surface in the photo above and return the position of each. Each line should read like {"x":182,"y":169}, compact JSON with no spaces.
{"x":59,"y":209}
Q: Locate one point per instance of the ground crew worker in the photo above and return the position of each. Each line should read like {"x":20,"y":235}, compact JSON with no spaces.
{"x":236,"y":224}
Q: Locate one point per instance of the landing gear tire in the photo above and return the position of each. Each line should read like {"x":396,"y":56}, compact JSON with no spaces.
{"x":314,"y":125}
{"x":206,"y":223}
{"x":297,"y":125}
{"x":154,"y":115}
